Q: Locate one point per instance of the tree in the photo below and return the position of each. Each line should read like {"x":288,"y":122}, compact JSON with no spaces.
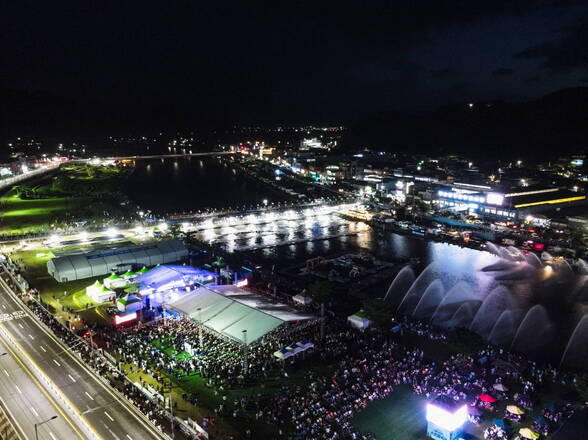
{"x":321,"y":292}
{"x":378,"y":312}
{"x":582,"y":386}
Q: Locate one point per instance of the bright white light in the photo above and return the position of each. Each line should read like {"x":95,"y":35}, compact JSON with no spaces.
{"x":494,"y":199}
{"x":265,"y":201}
{"x":84,"y":236}
{"x":446,"y":420}
{"x":162,"y":226}
{"x":54,"y":239}
{"x":112,"y":232}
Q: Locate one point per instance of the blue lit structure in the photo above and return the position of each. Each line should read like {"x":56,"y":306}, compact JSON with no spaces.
{"x":446,"y":418}
{"x":170,"y":276}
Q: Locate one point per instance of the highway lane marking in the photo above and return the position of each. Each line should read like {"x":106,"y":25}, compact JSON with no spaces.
{"x":44,"y":391}
{"x":52,"y":436}
{"x":31,"y":336}
{"x":20,"y":325}
{"x":136,"y":414}
{"x":34,"y":411}
{"x":4,"y":306}
{"x":109,"y":416}
{"x":42,"y":348}
{"x":71,"y":377}
{"x":129,"y":437}
{"x":6,"y":372}
{"x":18,"y":389}
{"x":57,"y":363}
{"x":86,"y":393}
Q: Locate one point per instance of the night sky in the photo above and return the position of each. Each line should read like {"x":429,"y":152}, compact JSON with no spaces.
{"x":295,"y":61}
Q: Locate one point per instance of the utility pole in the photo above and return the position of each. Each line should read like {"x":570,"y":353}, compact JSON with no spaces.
{"x":200,"y":327}
{"x":42,"y":423}
{"x":245,"y":351}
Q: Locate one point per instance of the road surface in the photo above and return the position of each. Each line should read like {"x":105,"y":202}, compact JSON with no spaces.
{"x":106,"y":412}
{"x":26,"y":402}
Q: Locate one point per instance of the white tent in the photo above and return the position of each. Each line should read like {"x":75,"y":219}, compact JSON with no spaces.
{"x":229,"y":310}
{"x":359,"y":321}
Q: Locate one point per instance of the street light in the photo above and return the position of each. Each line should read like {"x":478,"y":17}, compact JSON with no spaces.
{"x":42,"y":423}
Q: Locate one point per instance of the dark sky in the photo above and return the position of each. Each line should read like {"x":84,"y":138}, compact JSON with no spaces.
{"x":292,"y":60}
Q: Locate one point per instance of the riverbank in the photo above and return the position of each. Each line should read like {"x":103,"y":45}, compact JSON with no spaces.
{"x":75,"y":195}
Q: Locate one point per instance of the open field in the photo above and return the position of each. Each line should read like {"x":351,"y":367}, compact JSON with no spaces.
{"x":90,"y":194}
{"x":20,"y":216}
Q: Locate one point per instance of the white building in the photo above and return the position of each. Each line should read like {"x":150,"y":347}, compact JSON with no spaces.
{"x":77,"y":266}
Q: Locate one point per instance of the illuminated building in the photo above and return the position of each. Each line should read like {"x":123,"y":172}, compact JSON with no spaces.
{"x":445,"y":418}
{"x":489,"y":202}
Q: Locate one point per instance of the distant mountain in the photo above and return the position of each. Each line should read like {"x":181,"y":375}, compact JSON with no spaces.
{"x":547,"y":127}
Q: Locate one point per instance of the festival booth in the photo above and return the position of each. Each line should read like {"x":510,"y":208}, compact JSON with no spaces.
{"x":129,"y":303}
{"x":115,"y":281}
{"x":283,"y":353}
{"x":359,"y":320}
{"x":293,"y":349}
{"x":129,"y":275}
{"x":100,"y":293}
{"x":302,"y":300}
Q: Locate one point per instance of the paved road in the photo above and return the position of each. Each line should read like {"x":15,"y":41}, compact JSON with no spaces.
{"x":28,"y":403}
{"x":110,"y":416}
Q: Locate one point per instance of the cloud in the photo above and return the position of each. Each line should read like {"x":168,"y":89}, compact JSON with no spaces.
{"x":443,"y":73}
{"x":503,"y":71}
{"x":569,"y":53}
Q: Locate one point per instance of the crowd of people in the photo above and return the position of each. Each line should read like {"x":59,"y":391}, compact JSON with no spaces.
{"x":363,"y":366}
{"x":224,"y":362}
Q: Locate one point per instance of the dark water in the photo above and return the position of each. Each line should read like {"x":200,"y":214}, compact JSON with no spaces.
{"x":170,"y":185}
{"x":192,"y":184}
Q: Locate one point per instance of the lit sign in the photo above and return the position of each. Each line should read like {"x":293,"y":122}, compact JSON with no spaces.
{"x":121,"y":319}
{"x":552,"y":202}
{"x":446,"y":420}
{"x":242,"y":283}
{"x":494,"y":199}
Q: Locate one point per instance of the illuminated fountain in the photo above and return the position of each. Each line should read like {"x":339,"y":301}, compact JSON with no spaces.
{"x":538,"y":306}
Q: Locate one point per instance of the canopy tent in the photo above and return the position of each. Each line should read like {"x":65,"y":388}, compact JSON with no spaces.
{"x":500,"y":387}
{"x":359,"y":320}
{"x":99,"y":293}
{"x":487,"y":398}
{"x":230,"y":311}
{"x":301,"y":299}
{"x":513,"y":409}
{"x":528,"y":433}
{"x":500,"y":423}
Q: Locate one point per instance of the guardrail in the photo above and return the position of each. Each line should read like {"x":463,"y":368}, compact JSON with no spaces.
{"x":50,"y":386}
{"x":8,"y":424}
{"x":120,"y":396}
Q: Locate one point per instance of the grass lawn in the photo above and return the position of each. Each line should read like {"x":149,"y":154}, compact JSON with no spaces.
{"x":400,"y":416}
{"x":29,"y":216}
{"x":58,"y":295}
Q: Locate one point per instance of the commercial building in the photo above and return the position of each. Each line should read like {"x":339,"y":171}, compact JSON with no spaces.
{"x":78,"y":264}
{"x":509,"y":205}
